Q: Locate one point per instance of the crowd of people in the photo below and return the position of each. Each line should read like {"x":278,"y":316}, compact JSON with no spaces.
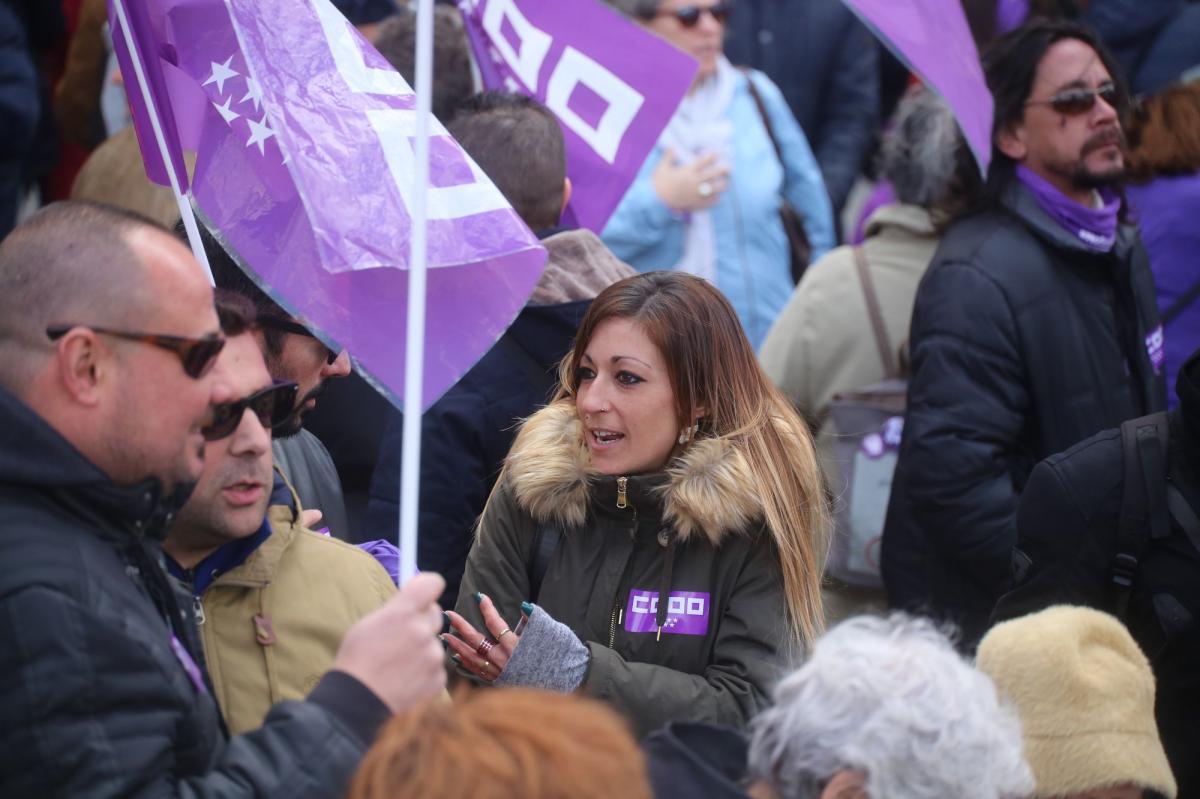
{"x":829,"y":468}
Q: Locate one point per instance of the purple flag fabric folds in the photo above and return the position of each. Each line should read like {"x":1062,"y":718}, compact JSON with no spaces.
{"x":613,"y":86}
{"x":305,"y":172}
{"x":933,"y":39}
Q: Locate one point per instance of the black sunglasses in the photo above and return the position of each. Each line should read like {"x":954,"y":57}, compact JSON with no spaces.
{"x":196,"y":354}
{"x":689,"y":16}
{"x":1073,"y":102}
{"x":273,"y":406}
{"x":296,"y":329}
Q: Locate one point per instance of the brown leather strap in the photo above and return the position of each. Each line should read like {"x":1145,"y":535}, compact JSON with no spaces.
{"x":875,"y":314}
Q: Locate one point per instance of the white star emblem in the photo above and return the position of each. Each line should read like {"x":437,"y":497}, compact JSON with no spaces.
{"x":227,"y":113}
{"x":253,"y":92}
{"x":220,"y":74}
{"x":259,"y":132}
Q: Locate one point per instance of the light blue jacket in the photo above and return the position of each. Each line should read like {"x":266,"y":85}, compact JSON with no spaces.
{"x":752,"y":250}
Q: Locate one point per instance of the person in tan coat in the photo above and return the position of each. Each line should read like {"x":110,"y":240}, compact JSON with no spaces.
{"x":272,"y":599}
{"x":822,"y":343}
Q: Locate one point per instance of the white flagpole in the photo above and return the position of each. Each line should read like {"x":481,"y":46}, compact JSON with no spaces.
{"x":414,"y":337}
{"x":185,"y":207}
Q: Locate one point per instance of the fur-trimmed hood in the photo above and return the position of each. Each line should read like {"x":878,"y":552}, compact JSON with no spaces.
{"x":708,"y":490}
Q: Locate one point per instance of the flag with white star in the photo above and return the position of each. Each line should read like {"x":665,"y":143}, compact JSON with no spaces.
{"x":305,"y":173}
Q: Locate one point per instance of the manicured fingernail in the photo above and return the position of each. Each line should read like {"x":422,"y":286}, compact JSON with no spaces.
{"x":527,"y":608}
{"x":478,"y":598}
{"x":445,"y":643}
{"x":457,"y":658}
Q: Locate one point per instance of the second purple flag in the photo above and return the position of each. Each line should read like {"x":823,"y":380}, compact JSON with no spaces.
{"x":305,"y":170}
{"x":612,"y":86}
{"x":933,"y":39}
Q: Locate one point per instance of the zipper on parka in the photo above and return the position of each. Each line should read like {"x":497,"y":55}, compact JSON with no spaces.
{"x":618,"y":612}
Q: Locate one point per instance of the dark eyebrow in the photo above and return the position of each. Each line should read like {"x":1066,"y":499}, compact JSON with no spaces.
{"x":1079,"y":83}
{"x":616,"y":358}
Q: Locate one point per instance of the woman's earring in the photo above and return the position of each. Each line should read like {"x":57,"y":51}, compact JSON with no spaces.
{"x":685,"y":435}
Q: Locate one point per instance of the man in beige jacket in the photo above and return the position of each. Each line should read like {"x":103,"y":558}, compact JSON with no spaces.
{"x":822,"y":343}
{"x":272,"y":599}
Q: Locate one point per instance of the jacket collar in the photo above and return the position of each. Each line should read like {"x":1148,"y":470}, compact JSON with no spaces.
{"x":1020,"y":201}
{"x":911,"y":219}
{"x":707,"y":491}
{"x":34,"y":455}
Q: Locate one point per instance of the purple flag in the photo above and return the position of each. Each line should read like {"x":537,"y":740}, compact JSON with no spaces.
{"x":933,"y":40}
{"x":305,"y":171}
{"x":147,"y":36}
{"x":613,"y":86}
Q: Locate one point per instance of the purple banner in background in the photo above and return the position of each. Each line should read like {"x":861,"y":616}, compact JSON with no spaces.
{"x":933,"y":39}
{"x":612,"y":85}
{"x":687,"y":612}
{"x":305,"y":172}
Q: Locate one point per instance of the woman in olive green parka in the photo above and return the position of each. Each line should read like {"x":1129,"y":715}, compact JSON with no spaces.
{"x":668,"y":466}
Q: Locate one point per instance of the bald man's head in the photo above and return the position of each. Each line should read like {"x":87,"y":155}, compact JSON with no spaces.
{"x":115,"y":383}
{"x":72,"y":262}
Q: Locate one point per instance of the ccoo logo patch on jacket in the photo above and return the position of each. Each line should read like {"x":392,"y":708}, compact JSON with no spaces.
{"x":687,"y":612}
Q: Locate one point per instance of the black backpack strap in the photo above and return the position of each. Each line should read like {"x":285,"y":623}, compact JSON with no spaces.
{"x":1144,"y":511}
{"x":544,"y":544}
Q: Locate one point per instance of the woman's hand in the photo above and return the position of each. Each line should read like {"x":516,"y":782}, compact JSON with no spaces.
{"x":478,"y":653}
{"x":692,"y":186}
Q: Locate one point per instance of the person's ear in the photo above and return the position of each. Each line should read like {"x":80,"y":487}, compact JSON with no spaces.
{"x":846,"y":785}
{"x":567,"y":189}
{"x":1011,"y":142}
{"x":84,"y":365}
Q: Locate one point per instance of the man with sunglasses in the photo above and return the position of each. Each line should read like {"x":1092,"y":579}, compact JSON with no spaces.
{"x":108,"y":374}
{"x":273,"y":599}
{"x":1034,"y":328}
{"x":293,"y":354}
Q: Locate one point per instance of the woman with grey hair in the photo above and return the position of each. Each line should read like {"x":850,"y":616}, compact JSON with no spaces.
{"x":886,"y":708}
{"x":823,"y":344}
{"x":708,"y":198}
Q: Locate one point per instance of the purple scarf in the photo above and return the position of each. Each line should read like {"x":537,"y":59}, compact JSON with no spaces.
{"x":1095,"y":228}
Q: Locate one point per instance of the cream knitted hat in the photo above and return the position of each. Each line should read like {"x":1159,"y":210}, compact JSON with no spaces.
{"x":1085,"y":695}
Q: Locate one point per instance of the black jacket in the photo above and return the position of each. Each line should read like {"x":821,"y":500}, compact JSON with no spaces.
{"x":95,"y":696}
{"x":826,"y":63}
{"x":1067,"y":527}
{"x":1023,"y":343}
{"x":696,"y":760}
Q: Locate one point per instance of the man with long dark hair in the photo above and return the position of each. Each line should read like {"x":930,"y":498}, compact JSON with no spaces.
{"x":1034,"y":327}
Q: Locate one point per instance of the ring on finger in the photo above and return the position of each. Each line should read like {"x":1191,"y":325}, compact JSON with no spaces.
{"x":484,"y":647}
{"x":503,"y":633}
{"x":705,"y":189}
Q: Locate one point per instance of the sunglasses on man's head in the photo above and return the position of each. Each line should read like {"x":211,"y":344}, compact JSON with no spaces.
{"x":296,"y":329}
{"x":689,"y":16}
{"x":196,"y":354}
{"x":1080,"y":100}
{"x":273,"y":406}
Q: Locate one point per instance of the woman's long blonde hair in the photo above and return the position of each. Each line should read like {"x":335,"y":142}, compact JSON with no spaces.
{"x":712,"y":366}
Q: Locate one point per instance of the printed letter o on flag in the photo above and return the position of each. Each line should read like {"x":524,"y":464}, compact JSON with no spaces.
{"x":624,"y":102}
{"x":535,"y":43}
